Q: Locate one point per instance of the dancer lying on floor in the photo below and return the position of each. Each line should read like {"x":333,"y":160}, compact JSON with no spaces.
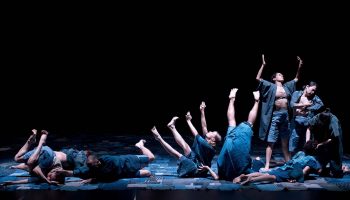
{"x":302,"y":164}
{"x":110,"y":168}
{"x":234,"y":158}
{"x":40,"y":161}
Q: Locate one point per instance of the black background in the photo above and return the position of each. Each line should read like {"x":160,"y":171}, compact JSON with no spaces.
{"x":123,"y":73}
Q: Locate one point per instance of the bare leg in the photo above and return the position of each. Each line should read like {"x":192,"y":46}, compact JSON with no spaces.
{"x":34,"y":158}
{"x":285,"y":150}
{"x":145,"y":173}
{"x":231,"y":108}
{"x":178,"y":138}
{"x":268,"y":155}
{"x":254,"y":111}
{"x":21,"y":166}
{"x":31,"y":140}
{"x":259,"y":178}
{"x":166,"y":146}
{"x":144,"y":150}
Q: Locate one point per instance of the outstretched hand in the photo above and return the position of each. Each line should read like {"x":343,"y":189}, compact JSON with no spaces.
{"x":188,"y":116}
{"x":263,"y":59}
{"x":203,"y":167}
{"x":300,"y":61}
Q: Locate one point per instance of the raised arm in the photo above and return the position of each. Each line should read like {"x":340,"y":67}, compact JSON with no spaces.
{"x":258,"y":76}
{"x":299,"y":66}
{"x":188,"y":120}
{"x":203,"y":120}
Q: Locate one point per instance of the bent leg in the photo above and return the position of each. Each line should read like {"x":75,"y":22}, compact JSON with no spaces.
{"x":145,"y":151}
{"x":35,"y":156}
{"x":26,"y":146}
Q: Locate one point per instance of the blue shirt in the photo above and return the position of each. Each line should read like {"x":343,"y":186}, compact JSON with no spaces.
{"x":331,"y":131}
{"x":203,"y":150}
{"x":302,"y":160}
{"x":268,"y":96}
{"x":316,"y":103}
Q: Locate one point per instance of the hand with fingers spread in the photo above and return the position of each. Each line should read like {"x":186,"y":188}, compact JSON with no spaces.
{"x":263,"y":59}
{"x":188,"y":116}
{"x":300,"y":61}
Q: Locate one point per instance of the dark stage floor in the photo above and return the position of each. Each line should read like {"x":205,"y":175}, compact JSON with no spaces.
{"x":165,"y":185}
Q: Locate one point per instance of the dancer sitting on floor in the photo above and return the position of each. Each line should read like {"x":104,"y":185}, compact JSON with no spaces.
{"x":234,"y":158}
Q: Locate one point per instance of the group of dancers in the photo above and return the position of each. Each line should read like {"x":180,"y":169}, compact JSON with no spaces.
{"x":311,"y":141}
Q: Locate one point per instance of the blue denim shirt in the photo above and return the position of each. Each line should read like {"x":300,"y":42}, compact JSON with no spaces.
{"x":316,"y":103}
{"x":268,"y":96}
{"x":302,"y":160}
{"x":203,"y":150}
{"x":332,"y":131}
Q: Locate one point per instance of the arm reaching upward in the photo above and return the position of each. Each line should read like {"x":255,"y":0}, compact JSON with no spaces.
{"x":258,"y":76}
{"x":203,"y":120}
{"x":299,"y":66}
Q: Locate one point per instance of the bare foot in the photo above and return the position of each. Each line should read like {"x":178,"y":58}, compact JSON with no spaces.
{"x":140,"y":144}
{"x":202,"y":106}
{"x":32,"y":138}
{"x":43,"y":137}
{"x":256,"y":95}
{"x":155,"y":133}
{"x":233,"y":93}
{"x":172,"y":122}
{"x":237,"y":179}
{"x":22,"y":166}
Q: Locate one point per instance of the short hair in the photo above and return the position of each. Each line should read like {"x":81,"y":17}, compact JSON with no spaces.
{"x":89,"y":158}
{"x":311,"y":83}
{"x":274,"y":76}
{"x":325,"y":116}
{"x":310,"y":147}
{"x":60,"y":178}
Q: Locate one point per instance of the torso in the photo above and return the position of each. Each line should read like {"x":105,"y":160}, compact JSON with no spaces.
{"x":61,"y":156}
{"x":281,"y":100}
{"x":301,"y":111}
